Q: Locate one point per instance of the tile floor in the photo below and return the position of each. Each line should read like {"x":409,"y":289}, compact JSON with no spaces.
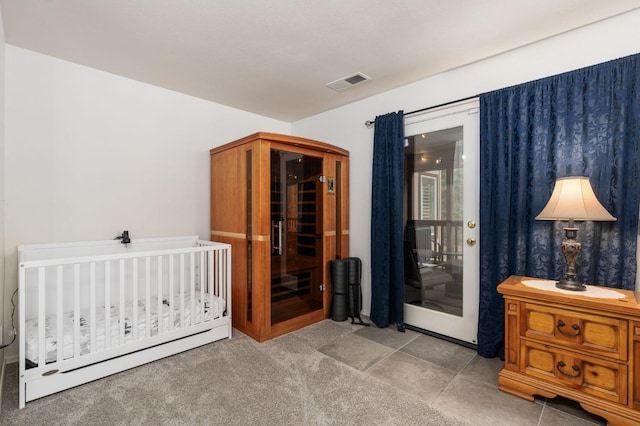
{"x":445,"y":375}
{"x":448,"y":376}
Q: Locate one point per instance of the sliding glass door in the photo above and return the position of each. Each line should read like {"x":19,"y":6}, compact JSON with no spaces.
{"x":441,"y":210}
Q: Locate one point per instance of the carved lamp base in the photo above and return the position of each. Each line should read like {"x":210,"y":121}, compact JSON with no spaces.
{"x":571,"y":249}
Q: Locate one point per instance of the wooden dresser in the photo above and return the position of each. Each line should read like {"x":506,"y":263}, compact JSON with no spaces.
{"x":583,"y":348}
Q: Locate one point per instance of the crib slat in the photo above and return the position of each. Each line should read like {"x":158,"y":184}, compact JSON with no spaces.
{"x":182,"y":272}
{"x":107,"y":304}
{"x":59,"y":313}
{"x":171,"y":305}
{"x":147,"y":305}
{"x":222,"y":281}
{"x":218,"y":290}
{"x":210,"y":277}
{"x":215,"y":273}
{"x":41,"y":317}
{"x":92,"y":307}
{"x":159,"y":294}
{"x":217,"y":277}
{"x":202,"y":288}
{"x":134,"y":331}
{"x":226,"y":285}
{"x":76,"y":310}
{"x":122,"y":304}
{"x":192,"y":280}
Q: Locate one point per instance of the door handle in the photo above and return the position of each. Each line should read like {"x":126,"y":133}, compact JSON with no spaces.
{"x":471,"y":241}
{"x":276,"y":237}
{"x":471,"y":224}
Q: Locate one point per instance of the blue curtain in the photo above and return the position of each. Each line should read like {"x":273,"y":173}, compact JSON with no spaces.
{"x":581,"y":123}
{"x":387,"y":264}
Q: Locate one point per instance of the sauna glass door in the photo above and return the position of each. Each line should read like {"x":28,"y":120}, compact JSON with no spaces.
{"x":296,"y":235}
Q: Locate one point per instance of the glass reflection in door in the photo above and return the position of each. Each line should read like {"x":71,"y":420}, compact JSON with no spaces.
{"x":296,"y":235}
{"x":433,"y":232}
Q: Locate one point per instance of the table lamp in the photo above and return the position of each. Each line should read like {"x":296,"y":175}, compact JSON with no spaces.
{"x":573,"y":199}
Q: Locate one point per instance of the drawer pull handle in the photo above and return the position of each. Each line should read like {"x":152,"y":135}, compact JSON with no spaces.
{"x":575,"y":327}
{"x":575,"y":368}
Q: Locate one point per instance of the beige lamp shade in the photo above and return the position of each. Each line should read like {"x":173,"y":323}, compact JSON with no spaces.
{"x":573,"y":198}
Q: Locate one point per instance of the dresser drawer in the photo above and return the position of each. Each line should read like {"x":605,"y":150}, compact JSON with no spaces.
{"x":599,"y":335}
{"x":601,"y":378}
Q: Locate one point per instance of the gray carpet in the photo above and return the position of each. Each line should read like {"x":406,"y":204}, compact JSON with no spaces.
{"x":285,"y":381}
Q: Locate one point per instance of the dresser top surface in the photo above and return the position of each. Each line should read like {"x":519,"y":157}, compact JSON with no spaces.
{"x":628,"y":303}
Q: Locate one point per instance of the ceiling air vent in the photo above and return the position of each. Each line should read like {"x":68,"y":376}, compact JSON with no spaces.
{"x":349,"y":81}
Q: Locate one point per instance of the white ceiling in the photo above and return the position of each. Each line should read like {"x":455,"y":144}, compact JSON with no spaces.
{"x":274,"y":57}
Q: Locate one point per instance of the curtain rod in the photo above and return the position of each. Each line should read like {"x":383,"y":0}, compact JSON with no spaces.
{"x":370,"y":123}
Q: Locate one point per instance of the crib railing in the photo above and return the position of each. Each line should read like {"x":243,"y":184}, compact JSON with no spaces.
{"x":177,"y":289}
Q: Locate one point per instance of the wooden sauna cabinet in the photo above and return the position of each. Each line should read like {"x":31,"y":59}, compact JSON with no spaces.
{"x":282,"y":202}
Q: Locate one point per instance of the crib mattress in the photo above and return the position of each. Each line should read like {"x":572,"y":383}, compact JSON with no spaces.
{"x":51,"y":337}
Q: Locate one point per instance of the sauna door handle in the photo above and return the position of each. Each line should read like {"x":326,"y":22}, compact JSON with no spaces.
{"x":276,"y":237}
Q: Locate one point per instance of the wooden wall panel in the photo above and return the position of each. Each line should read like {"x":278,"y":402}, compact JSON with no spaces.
{"x":228,"y":189}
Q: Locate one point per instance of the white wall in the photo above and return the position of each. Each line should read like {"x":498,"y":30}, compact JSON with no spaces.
{"x":2,"y":110}
{"x":344,"y":126}
{"x":89,"y":154}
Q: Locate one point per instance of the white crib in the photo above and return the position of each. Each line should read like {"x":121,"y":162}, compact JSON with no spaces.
{"x":88,"y":310}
